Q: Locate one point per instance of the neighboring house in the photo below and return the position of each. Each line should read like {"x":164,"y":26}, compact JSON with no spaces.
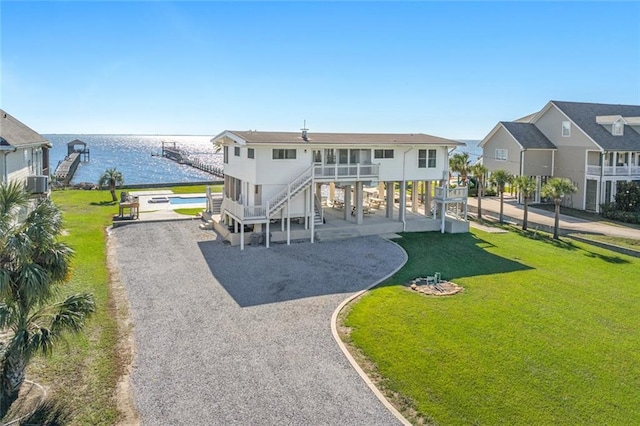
{"x":24,"y":155}
{"x":593,"y":145}
{"x":274,"y":178}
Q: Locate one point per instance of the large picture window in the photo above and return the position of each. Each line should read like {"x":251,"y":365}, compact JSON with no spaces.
{"x":284,"y":154}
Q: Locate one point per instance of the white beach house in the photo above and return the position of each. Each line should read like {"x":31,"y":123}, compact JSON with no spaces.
{"x":321,"y":181}
{"x":24,"y":155}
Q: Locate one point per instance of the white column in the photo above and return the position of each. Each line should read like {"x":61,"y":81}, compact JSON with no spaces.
{"x":267,"y":234}
{"x":403,"y":201}
{"x":289,"y":221}
{"x":313,"y":218}
{"x":359,"y":196}
{"x":414,"y":196}
{"x":427,"y":197}
{"x":390,"y":198}
{"x":242,"y":238}
{"x":347,"y":202}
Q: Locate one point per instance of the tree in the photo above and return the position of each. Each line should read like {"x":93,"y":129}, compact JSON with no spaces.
{"x":479,"y":171}
{"x":460,"y":163}
{"x":526,"y":185}
{"x":500,"y":178}
{"x":111,"y":178}
{"x":558,"y":188}
{"x":33,"y":266}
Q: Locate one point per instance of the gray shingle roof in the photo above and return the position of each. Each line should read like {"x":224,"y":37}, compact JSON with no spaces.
{"x":528,"y":135}
{"x":260,"y":137}
{"x":16,"y":133}
{"x":584,"y":115}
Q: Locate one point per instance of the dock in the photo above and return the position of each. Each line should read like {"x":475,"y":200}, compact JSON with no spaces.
{"x":171,"y":151}
{"x":77,"y":151}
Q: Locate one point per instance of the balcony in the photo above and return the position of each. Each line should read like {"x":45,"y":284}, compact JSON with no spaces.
{"x":247,"y":214}
{"x":346,"y":172}
{"x":622,"y":171}
{"x":451,"y":194}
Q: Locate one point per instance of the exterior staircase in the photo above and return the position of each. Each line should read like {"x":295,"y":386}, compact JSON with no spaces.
{"x":299,"y":184}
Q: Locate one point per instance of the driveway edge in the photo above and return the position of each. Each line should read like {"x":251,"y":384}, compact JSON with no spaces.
{"x":347,"y":354}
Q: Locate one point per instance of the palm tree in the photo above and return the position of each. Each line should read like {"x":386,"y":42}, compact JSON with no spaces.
{"x":527,"y":186}
{"x":33,"y":265}
{"x":111,"y":178}
{"x":479,"y":170}
{"x":460,"y":163}
{"x":500,"y":178}
{"x":558,"y":188}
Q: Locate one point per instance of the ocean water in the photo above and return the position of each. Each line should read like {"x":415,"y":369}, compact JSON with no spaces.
{"x":132,"y":155}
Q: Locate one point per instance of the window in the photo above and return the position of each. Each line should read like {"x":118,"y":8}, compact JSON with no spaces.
{"x":502,"y":154}
{"x":566,"y":129}
{"x":618,"y":128}
{"x":422,"y":158}
{"x":317,"y":156}
{"x":236,"y":151}
{"x":431,"y":158}
{"x":284,"y":154}
{"x":225,"y":151}
{"x":383,"y":153}
{"x":330,"y":156}
{"x":251,"y":153}
{"x":343,"y":156}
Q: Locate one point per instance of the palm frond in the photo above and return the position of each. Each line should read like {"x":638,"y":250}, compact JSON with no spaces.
{"x":71,"y":312}
{"x":12,"y":197}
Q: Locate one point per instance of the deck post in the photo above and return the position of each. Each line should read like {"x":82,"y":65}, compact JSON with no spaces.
{"x":444,"y":209}
{"x":313,"y":214}
{"x":242,"y":237}
{"x":427,"y":198}
{"x":415,"y":188}
{"x":289,"y":215}
{"x":267,"y":233}
{"x":347,"y":202}
{"x":359,"y":211}
{"x":403,"y":201}
{"x":390,"y":198}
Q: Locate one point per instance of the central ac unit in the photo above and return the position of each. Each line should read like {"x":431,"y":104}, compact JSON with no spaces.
{"x":37,"y":184}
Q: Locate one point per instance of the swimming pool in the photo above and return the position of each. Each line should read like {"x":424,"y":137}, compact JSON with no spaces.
{"x":187,"y":200}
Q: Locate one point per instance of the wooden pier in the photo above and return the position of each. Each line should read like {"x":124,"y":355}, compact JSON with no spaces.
{"x":171,"y":151}
{"x":67,"y":167}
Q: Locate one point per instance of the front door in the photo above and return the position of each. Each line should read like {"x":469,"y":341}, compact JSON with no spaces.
{"x":591,"y":195}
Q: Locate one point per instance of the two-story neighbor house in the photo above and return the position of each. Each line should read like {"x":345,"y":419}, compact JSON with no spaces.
{"x":24,"y":155}
{"x":593,"y":145}
{"x":275,"y":178}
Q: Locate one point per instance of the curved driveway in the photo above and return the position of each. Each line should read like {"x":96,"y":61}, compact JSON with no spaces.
{"x":224,"y":336}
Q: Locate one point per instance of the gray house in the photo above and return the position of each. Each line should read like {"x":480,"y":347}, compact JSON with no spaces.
{"x":593,"y":145}
{"x":24,"y":155}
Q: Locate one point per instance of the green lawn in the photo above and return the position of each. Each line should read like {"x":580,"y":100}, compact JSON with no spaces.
{"x":545,"y":332}
{"x":82,"y":375}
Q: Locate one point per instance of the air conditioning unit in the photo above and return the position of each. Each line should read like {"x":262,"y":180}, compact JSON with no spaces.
{"x":37,"y":184}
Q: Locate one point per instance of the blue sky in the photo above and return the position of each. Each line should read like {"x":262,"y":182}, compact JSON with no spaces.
{"x":452,"y":69}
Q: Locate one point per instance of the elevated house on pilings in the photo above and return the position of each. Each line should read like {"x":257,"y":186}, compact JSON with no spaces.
{"x":289,"y":185}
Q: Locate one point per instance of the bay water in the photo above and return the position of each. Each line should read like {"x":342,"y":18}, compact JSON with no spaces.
{"x":137,"y":157}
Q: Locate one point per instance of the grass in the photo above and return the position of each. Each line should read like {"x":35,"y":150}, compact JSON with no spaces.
{"x":617,"y":241}
{"x":82,"y":375}
{"x":192,"y":211}
{"x":545,"y":332}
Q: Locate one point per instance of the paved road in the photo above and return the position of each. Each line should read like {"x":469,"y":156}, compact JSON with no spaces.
{"x":230,"y":337}
{"x":516,"y":211}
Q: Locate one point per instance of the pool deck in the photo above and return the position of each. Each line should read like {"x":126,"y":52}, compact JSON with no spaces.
{"x":157,"y":212}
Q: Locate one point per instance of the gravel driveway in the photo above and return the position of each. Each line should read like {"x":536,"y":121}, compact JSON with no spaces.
{"x":224,"y":336}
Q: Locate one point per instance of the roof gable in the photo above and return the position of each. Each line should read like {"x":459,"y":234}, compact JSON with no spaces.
{"x":584,"y":115}
{"x":528,"y":135}
{"x":15,"y":133}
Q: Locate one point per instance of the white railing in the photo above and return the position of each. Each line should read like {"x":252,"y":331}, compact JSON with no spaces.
{"x":243,"y":212}
{"x":443,"y":193}
{"x":614,"y":170}
{"x":288,"y":191}
{"x":346,"y":171}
